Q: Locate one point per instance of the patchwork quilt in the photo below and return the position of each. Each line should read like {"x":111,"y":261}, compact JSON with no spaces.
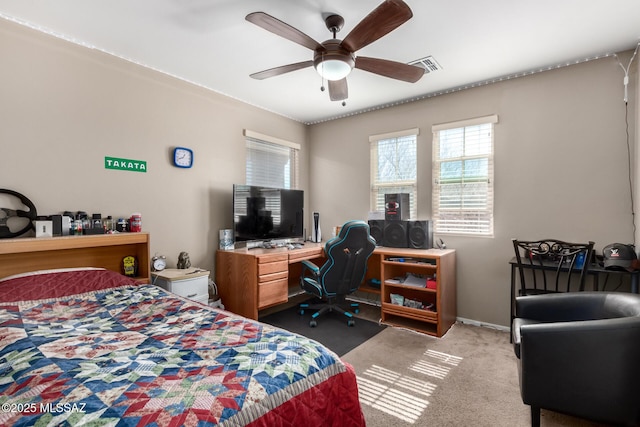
{"x":140,"y":356}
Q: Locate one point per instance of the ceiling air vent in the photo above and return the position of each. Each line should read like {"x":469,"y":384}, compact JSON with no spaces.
{"x":429,"y":64}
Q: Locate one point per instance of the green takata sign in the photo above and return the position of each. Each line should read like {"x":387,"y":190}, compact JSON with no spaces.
{"x":125,"y":164}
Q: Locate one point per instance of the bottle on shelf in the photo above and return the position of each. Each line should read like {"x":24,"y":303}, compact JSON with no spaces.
{"x":122,"y":225}
{"x":108,"y":225}
{"x":135,"y":223}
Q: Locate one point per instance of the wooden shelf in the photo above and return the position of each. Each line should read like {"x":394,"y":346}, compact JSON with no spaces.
{"x":408,"y":323}
{"x":370,"y":289}
{"x":410,"y":313}
{"x":104,"y":251}
{"x":410,"y":287}
{"x":429,"y":263}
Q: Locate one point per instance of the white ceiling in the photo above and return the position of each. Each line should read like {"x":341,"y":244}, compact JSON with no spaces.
{"x":209,"y":43}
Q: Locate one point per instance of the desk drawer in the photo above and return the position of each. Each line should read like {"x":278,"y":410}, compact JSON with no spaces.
{"x":272,"y":293}
{"x":311,"y":253}
{"x":273,"y":267}
{"x":273,"y":257}
{"x":273,"y":276}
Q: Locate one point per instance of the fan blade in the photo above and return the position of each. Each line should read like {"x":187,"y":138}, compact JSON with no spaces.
{"x":338,"y":90}
{"x":381,"y":21}
{"x":272,"y":72}
{"x":282,"y":29}
{"x":392,"y":69}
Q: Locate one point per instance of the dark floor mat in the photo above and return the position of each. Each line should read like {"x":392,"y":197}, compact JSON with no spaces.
{"x":332,"y":329}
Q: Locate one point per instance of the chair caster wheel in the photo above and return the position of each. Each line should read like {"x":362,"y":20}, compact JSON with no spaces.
{"x":313,"y":323}
{"x":351,"y":322}
{"x":356,"y":311}
{"x":301,"y":312}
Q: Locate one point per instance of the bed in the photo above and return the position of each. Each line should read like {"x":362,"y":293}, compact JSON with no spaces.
{"x":87,"y":345}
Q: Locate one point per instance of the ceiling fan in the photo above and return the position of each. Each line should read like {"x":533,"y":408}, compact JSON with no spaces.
{"x":334,"y":59}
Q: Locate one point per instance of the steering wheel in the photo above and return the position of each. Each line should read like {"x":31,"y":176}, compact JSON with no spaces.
{"x":7,"y":214}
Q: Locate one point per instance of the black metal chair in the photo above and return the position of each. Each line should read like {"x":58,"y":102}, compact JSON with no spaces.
{"x":543,"y":267}
{"x":548,"y":261}
{"x":578,"y":353}
{"x":341,"y":274}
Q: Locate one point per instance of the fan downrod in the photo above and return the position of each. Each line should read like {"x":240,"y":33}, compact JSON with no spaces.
{"x":334,"y":23}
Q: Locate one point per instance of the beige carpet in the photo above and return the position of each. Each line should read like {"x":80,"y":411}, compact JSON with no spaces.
{"x":466,"y":378}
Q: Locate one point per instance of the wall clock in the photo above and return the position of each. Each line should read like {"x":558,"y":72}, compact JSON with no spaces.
{"x":182,"y":157}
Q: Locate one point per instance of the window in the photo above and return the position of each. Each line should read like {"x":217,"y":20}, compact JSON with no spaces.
{"x":271,"y":162}
{"x":463,"y":177}
{"x":393,"y":167}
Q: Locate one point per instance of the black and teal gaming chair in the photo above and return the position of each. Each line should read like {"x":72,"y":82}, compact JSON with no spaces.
{"x":341,"y":274}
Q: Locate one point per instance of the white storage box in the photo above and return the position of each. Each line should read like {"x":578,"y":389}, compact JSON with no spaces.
{"x":190,"y":283}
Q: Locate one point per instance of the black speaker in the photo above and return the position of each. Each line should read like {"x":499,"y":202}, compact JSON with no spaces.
{"x":396,"y":206}
{"x":420,"y":234}
{"x":376,"y":229}
{"x":395,"y":234}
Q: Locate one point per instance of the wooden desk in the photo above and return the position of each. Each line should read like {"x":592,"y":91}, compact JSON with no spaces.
{"x":250,"y":280}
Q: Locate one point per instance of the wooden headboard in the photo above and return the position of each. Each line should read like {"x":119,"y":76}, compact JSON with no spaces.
{"x":21,"y":255}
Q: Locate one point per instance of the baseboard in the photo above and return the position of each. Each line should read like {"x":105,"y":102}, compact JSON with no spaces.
{"x":482,"y":324}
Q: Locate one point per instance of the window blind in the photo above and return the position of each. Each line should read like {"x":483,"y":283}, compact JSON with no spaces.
{"x":394,"y":167}
{"x":271,"y":162}
{"x":463,"y":172}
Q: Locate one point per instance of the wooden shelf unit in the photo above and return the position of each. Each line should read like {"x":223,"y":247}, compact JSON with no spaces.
{"x":432,"y":262}
{"x":21,"y":255}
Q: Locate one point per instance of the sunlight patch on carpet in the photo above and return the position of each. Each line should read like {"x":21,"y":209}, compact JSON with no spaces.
{"x":431,"y":369}
{"x":403,"y":381}
{"x":434,"y":368}
{"x":403,"y":396}
{"x":444,"y":357}
{"x":397,"y":403}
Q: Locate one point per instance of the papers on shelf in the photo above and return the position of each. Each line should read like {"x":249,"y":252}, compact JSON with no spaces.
{"x":417,"y":280}
{"x":413,"y":280}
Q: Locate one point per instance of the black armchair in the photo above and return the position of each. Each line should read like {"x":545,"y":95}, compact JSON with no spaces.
{"x":579,"y":354}
{"x":341,"y":274}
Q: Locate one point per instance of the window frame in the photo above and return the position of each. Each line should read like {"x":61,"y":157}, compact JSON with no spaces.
{"x":379,"y":188}
{"x":475,"y":220}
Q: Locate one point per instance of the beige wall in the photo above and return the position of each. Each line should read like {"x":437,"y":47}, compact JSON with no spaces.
{"x":561,"y":156}
{"x":63,"y":108}
{"x":634,"y":101}
{"x":560,"y":168}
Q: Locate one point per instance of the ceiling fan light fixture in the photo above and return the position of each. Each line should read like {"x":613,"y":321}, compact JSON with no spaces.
{"x":333,"y":69}
{"x":334,"y":62}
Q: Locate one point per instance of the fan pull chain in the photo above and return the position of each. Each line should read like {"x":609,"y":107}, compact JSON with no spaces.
{"x":321,"y":75}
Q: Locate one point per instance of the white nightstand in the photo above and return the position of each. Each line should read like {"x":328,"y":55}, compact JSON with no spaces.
{"x":190,"y":283}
